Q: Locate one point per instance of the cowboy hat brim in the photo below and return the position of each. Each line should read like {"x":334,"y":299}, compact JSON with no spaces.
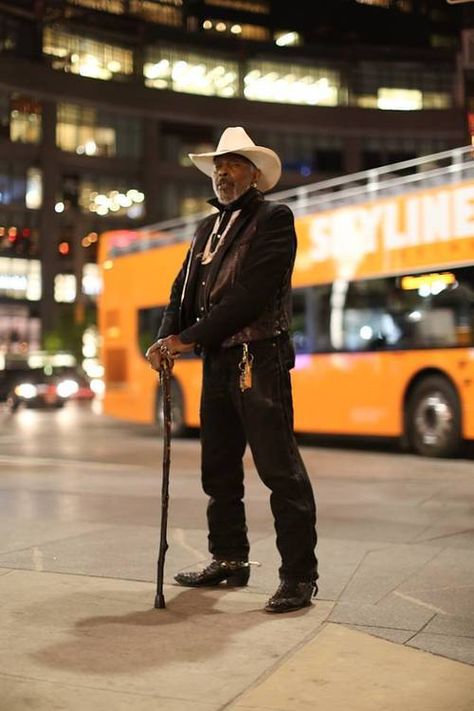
{"x":264,"y":159}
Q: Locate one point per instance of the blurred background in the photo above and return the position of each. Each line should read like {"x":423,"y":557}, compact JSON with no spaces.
{"x":102,"y":100}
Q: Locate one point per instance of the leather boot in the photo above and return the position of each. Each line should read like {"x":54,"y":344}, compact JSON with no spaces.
{"x":292,"y":595}
{"x":234,"y":573}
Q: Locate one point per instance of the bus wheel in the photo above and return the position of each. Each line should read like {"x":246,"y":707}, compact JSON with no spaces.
{"x":178,"y":428}
{"x":433,"y":418}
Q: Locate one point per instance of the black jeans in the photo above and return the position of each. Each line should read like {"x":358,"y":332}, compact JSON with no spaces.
{"x":263,"y":417}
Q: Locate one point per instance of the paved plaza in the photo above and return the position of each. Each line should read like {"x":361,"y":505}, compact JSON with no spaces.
{"x":392,"y":628}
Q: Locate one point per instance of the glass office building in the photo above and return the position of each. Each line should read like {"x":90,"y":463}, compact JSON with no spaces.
{"x":102,"y":100}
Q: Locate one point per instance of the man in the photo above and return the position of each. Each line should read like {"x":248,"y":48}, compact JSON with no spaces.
{"x":232,"y":302}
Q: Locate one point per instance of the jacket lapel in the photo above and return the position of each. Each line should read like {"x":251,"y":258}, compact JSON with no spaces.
{"x":235,"y":231}
{"x":202,"y":234}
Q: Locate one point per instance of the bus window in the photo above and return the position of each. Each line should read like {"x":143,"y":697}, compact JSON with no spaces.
{"x":149,"y":321}
{"x":299,"y":329}
{"x":368,"y":322}
{"x":439,"y":311}
{"x":319,"y":313}
{"x":409,"y":312}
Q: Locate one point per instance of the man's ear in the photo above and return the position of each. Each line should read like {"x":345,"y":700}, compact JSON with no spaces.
{"x":257,"y":175}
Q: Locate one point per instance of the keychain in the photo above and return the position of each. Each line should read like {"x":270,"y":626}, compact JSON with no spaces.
{"x":245,"y":367}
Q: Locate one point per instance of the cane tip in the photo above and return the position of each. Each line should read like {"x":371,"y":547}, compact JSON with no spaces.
{"x":160,"y":602}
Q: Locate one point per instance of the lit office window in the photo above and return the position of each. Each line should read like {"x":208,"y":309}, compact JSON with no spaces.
{"x":91,"y":280}
{"x":403,"y":86}
{"x":432,"y":100}
{"x":64,"y":288}
{"x":110,"y":196}
{"x":20,"y":279}
{"x":378,"y":3}
{"x":190,"y":72}
{"x":89,"y":58}
{"x":287,"y":39}
{"x":166,"y":12}
{"x":25,"y":119}
{"x":115,"y":7}
{"x":262,"y":8}
{"x":291,"y":84}
{"x":12,"y":183}
{"x":34,"y":188}
{"x":87,"y":130}
{"x":20,"y":118}
{"x":256,"y":33}
{"x":399,"y":99}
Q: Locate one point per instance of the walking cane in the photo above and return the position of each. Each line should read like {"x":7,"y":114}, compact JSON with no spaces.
{"x":166,"y":390}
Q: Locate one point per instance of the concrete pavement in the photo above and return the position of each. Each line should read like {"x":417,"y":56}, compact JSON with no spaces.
{"x":392,"y":628}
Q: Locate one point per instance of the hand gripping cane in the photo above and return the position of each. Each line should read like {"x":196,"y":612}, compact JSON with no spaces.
{"x":166,"y":390}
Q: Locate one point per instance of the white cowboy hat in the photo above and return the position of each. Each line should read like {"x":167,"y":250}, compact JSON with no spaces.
{"x":236,"y":140}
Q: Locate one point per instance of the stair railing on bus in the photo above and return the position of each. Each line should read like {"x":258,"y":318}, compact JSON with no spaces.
{"x":428,"y":171}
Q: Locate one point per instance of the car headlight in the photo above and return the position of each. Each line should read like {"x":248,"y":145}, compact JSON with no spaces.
{"x":67,"y":388}
{"x":97,"y":386}
{"x":27,"y":391}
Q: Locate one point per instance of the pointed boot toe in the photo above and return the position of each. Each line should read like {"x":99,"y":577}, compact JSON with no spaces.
{"x":291,"y":595}
{"x":233,"y":573}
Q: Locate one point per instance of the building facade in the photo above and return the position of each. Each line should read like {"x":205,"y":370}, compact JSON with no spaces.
{"x":102,"y":100}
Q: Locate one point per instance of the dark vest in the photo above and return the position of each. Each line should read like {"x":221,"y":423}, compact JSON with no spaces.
{"x":224,"y":270}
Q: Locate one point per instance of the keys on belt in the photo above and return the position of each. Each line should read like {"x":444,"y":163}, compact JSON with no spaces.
{"x":245,"y":367}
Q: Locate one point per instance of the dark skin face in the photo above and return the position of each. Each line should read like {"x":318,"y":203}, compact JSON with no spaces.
{"x":233,"y":175}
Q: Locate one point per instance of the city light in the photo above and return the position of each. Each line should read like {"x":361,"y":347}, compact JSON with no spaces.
{"x":287,"y":39}
{"x":289,"y":88}
{"x":116,"y":202}
{"x":193,"y":75}
{"x":399,"y":99}
{"x":427,"y":284}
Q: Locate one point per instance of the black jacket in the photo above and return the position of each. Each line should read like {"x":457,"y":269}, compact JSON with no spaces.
{"x":248,"y":286}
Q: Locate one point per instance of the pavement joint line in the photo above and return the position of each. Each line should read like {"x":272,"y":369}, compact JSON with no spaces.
{"x":66,"y":685}
{"x":456,"y":636}
{"x":81,"y":575}
{"x":434,"y":495}
{"x":410,"y":575}
{"x":364,"y":627}
{"x":269,"y":671}
{"x":247,"y":590}
{"x":445,"y":587}
{"x":438,"y":654}
{"x":420,"y":630}
{"x":179,"y":535}
{"x":415,"y":600}
{"x":100,"y":529}
{"x":48,"y":461}
{"x":359,"y":565}
{"x":447,"y":535}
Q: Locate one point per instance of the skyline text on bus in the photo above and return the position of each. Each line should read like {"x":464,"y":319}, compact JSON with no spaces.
{"x":438,"y":215}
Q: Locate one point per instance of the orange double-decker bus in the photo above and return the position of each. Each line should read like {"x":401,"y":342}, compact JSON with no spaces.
{"x":383,"y":308}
